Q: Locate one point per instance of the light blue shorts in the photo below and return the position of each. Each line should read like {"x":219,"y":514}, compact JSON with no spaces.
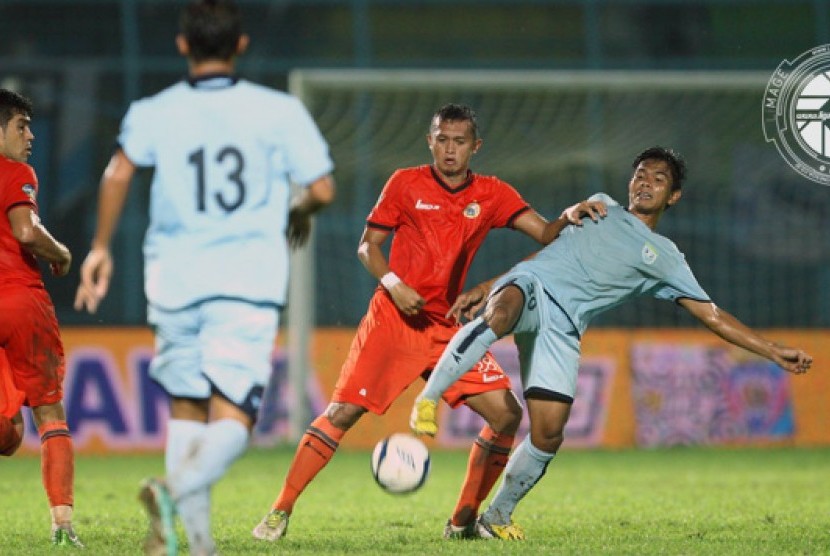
{"x":547,"y":340}
{"x":224,"y":345}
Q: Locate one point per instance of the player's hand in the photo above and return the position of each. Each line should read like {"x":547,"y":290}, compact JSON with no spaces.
{"x":469,"y":303}
{"x":792,"y":360}
{"x":96,"y":271}
{"x":592,"y":209}
{"x":407,"y":300}
{"x":299,"y":227}
{"x":61,"y":268}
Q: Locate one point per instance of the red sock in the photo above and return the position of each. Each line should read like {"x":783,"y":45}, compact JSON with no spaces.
{"x":57,"y":463}
{"x":316,"y":448}
{"x":9,"y":438}
{"x":488,"y":458}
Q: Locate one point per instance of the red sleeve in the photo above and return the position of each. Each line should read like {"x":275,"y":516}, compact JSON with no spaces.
{"x":386,"y":213}
{"x":509,"y":205}
{"x":19,"y":187}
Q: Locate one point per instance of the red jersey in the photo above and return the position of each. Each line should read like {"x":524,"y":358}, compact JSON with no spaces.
{"x":438,"y":230}
{"x":18,"y":186}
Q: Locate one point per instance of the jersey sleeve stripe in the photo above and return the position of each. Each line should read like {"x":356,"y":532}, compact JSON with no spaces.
{"x":516,"y":214}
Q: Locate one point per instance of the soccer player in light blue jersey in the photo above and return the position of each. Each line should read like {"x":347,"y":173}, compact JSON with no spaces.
{"x":224,"y":152}
{"x":548,"y":301}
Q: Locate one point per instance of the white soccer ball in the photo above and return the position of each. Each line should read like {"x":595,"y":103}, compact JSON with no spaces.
{"x":400,"y":463}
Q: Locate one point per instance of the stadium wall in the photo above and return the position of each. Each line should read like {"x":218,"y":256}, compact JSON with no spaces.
{"x":637,"y":388}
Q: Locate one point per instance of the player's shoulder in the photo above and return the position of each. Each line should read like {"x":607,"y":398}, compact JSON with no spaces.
{"x":486,"y":180}
{"x":605,"y":198}
{"x":412,"y":173}
{"x":18,"y":170}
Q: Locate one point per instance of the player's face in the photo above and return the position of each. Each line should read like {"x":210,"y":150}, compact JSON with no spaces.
{"x":16,"y":139}
{"x":649,"y":190}
{"x":452,"y":145}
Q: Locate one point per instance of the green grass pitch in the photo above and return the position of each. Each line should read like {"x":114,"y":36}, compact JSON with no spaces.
{"x":674,"y":501}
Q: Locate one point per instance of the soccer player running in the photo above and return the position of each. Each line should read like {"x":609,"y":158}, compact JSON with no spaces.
{"x":31,"y":353}
{"x":547,"y":303}
{"x":216,"y":253}
{"x":439,"y":215}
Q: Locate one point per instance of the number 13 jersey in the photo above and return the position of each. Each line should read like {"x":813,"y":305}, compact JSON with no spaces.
{"x":224,"y":152}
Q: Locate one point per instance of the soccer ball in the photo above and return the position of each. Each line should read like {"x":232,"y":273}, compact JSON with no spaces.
{"x":400,"y":463}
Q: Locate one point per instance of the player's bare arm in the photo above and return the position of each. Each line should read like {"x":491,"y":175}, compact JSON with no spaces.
{"x":534,"y":225}
{"x":96,"y":270}
{"x":311,"y":199}
{"x":470,"y":302}
{"x":406,"y":299}
{"x":36,"y":239}
{"x":734,"y":331}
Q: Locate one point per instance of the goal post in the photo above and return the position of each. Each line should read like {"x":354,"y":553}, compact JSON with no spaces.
{"x":559,"y":136}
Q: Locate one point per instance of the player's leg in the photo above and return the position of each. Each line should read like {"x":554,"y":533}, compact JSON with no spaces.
{"x":314,"y":452}
{"x":385,"y":357}
{"x":488,"y":455}
{"x":176,"y":367}
{"x":526,"y":466}
{"x":57,"y":461}
{"x":34,"y":352}
{"x":549,"y":361}
{"x":234,"y":341}
{"x":514,"y":298}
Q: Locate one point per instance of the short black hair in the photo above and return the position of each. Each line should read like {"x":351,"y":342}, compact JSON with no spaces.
{"x":12,"y":103}
{"x":455,"y":113}
{"x":212,"y":29}
{"x":676,"y":163}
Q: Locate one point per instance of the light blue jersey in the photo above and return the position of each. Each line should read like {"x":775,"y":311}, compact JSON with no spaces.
{"x":599,"y":265}
{"x":586,"y":271}
{"x":224,"y":153}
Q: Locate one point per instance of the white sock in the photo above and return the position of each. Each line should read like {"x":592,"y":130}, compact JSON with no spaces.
{"x":221,"y":444}
{"x":182,"y":436}
{"x":526,"y":466}
{"x":464,"y":350}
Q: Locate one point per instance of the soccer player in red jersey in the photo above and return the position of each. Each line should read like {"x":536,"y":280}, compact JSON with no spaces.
{"x":439,"y":215}
{"x":31,"y":352}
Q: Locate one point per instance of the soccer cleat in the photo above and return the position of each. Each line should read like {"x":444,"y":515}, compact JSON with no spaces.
{"x":459,"y":531}
{"x":272,"y":527}
{"x":161,"y":536}
{"x":509,"y":532}
{"x":424,"y":417}
{"x":64,"y":535}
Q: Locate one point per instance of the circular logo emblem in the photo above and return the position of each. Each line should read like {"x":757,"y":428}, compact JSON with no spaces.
{"x":29,"y":190}
{"x":796,"y":113}
{"x":472,"y":210}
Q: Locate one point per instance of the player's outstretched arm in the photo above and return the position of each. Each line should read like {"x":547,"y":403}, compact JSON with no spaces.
{"x":96,"y":270}
{"x":406,"y":299}
{"x":734,"y":331}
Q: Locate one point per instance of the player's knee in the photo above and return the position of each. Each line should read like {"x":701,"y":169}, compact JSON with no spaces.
{"x":11,"y":444}
{"x":344,"y":415}
{"x":503,"y":310}
{"x":548,"y":439}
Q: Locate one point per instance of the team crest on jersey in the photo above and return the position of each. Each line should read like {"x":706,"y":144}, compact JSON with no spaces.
{"x":29,"y":190}
{"x":472,"y":210}
{"x":649,"y":254}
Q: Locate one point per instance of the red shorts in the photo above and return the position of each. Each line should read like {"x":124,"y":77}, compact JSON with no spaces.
{"x":30,"y":338}
{"x":390,"y":351}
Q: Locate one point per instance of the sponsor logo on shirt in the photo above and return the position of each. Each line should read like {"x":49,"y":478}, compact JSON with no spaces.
{"x":472,"y":210}
{"x":649,"y":254}
{"x":490,"y":378}
{"x":420,"y":205}
{"x":29,"y":190}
